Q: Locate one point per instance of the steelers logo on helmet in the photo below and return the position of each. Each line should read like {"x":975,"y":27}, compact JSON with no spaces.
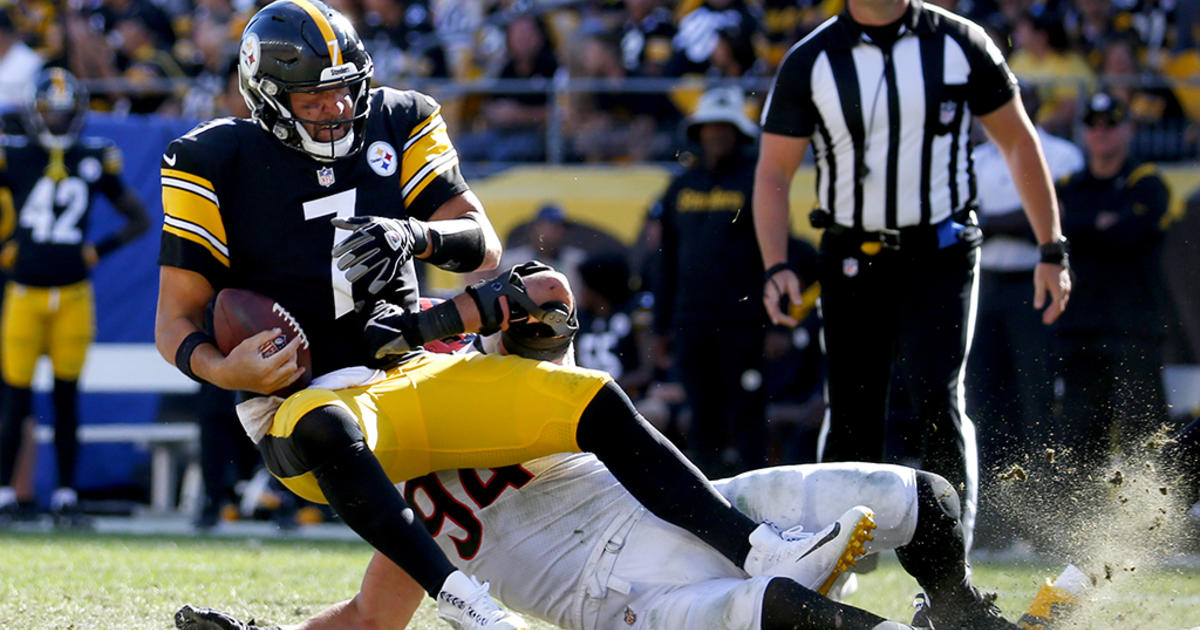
{"x":250,"y":53}
{"x":55,"y":108}
{"x":293,"y":47}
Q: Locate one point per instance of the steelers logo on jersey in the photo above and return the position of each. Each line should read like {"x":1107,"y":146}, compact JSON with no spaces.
{"x":89,"y":169}
{"x":382,"y":158}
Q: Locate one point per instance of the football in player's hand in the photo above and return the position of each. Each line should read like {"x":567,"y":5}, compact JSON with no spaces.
{"x":240,"y":313}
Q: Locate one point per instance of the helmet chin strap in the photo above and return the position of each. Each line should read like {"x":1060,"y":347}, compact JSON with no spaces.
{"x":320,"y":150}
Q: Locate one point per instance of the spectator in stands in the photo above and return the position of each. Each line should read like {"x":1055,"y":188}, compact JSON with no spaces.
{"x":399,"y":35}
{"x":712,"y":270}
{"x":697,"y":35}
{"x":1042,"y":55}
{"x":214,"y":57}
{"x":646,"y":33}
{"x":513,"y":124}
{"x":1110,"y":338}
{"x":155,"y":20}
{"x":615,"y":323}
{"x":785,"y":22}
{"x":1160,"y":125}
{"x":1009,"y":380}
{"x":733,"y":57}
{"x":18,"y":63}
{"x":145,"y":61}
{"x":87,"y":53}
{"x":615,"y":125}
{"x":1088,"y":24}
{"x":547,"y":241}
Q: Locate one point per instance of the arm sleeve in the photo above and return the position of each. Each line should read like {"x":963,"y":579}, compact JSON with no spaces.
{"x":789,"y":110}
{"x":193,"y":235}
{"x":429,"y":168}
{"x":991,"y":82}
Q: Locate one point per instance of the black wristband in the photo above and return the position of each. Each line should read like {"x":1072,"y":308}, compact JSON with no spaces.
{"x":1054,"y":252}
{"x":183,"y":355}
{"x":457,"y":244}
{"x":774,"y":269}
{"x":438,"y":322}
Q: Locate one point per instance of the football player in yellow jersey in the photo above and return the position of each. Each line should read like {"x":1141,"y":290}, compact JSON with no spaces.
{"x":327,"y":163}
{"x":48,"y":178}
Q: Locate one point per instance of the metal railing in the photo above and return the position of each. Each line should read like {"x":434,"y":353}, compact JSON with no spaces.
{"x":559,"y":89}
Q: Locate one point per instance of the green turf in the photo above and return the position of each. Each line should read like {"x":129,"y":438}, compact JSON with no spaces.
{"x":103,"y":582}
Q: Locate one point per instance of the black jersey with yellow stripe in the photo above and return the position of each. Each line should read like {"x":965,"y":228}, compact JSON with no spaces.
{"x":49,"y":194}
{"x":245,"y":211}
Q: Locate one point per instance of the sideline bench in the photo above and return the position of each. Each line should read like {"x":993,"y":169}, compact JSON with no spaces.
{"x":132,"y":368}
{"x":165,"y":441}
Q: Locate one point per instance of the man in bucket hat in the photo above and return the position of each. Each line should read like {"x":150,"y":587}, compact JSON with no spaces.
{"x":711,"y":272}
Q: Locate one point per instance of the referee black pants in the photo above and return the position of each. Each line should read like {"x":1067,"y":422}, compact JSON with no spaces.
{"x":910,"y":311}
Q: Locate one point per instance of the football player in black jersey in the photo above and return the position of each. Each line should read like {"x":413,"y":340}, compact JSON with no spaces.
{"x":48,"y":178}
{"x":320,"y":201}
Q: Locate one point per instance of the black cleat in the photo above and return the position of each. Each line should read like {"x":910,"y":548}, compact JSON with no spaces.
{"x":974,"y":611}
{"x":192,"y":618}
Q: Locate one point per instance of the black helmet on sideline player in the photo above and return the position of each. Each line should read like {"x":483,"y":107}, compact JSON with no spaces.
{"x":55,"y":108}
{"x":304,"y":46}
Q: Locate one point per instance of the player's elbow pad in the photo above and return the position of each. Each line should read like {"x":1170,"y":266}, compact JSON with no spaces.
{"x":456,"y":244}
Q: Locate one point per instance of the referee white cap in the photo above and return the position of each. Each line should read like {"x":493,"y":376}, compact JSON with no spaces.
{"x":724,"y":104}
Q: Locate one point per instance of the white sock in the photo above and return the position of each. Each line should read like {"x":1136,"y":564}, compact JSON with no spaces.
{"x":7,"y":495}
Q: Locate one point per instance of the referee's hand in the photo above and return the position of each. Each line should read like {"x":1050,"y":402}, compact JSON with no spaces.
{"x":1055,"y":280}
{"x":781,"y":283}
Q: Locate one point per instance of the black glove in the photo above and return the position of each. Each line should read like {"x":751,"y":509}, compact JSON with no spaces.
{"x":192,"y":618}
{"x":384,"y":331}
{"x":377,"y":246}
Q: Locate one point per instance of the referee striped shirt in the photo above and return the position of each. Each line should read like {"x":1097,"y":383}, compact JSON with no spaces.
{"x":890,"y":127}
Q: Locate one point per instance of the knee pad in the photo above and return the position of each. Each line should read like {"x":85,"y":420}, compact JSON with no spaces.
{"x":318,"y":435}
{"x":936,"y":497}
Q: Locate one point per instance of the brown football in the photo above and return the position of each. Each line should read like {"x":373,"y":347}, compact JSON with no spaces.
{"x":240,"y":313}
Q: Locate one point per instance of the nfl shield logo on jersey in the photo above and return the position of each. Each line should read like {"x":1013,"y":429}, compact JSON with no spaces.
{"x":850,"y":267}
{"x":948,"y":112}
{"x":325,"y":176}
{"x":630,"y":617}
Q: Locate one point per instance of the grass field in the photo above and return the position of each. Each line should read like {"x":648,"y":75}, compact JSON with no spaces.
{"x":93,"y":581}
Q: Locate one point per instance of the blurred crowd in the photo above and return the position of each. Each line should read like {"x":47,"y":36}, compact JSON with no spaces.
{"x":177,"y":57}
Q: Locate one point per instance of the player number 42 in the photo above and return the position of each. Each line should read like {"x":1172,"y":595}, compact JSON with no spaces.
{"x":39,"y":216}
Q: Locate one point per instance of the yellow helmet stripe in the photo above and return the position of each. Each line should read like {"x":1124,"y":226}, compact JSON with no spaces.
{"x":58,"y":82}
{"x":335,"y":51}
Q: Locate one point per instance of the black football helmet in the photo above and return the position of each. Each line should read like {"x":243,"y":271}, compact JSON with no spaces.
{"x":303,"y":46}
{"x":55,"y":109}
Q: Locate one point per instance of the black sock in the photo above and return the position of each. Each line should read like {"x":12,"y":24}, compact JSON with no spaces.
{"x":789,"y":606}
{"x":936,"y":556}
{"x":20,"y":403}
{"x":658,"y":475}
{"x":66,"y":424}
{"x":329,"y":442}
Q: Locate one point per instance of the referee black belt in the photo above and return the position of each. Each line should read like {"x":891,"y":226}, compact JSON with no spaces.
{"x":916,"y":237}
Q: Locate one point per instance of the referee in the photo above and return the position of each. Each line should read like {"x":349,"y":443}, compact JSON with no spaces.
{"x":885,"y":93}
